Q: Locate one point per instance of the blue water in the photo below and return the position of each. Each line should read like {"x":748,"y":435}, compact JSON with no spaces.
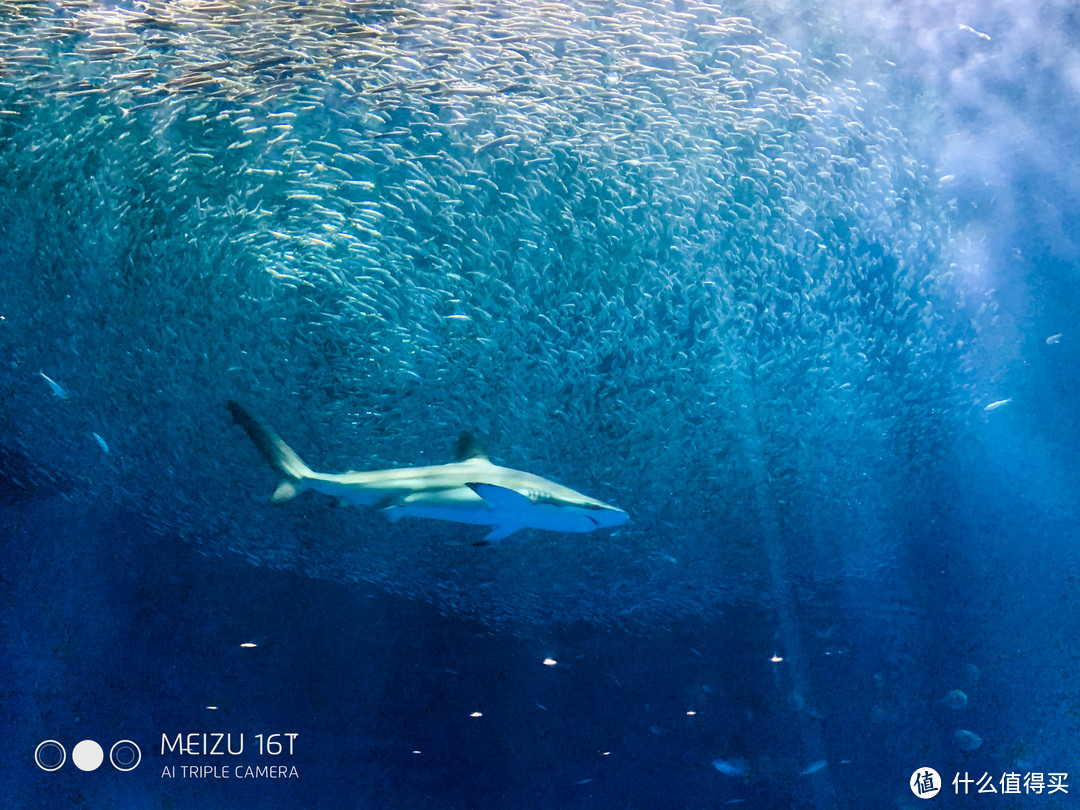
{"x":796,"y":288}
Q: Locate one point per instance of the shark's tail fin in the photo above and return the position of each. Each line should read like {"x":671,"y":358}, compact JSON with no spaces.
{"x":292,"y":470}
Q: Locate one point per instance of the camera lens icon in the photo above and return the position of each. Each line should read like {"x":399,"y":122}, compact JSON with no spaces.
{"x":87,"y":755}
{"x":125,"y":755}
{"x":50,"y":755}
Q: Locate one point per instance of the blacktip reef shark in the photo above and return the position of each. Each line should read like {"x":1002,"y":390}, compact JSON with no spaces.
{"x":468,"y":490}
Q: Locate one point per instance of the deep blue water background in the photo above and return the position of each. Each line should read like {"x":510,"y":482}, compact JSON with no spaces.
{"x":129,"y":629}
{"x":120,"y":631}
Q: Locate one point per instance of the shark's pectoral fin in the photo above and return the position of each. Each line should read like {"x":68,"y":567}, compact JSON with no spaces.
{"x":501,"y":498}
{"x":502,"y":531}
{"x":507,"y":501}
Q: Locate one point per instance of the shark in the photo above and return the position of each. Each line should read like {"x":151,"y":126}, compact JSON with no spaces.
{"x":469,"y":490}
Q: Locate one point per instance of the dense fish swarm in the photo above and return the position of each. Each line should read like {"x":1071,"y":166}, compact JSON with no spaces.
{"x":642,"y":247}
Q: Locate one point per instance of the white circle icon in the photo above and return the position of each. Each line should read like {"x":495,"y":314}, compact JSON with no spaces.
{"x":125,"y":755}
{"x":87,"y":755}
{"x":925,"y":783}
{"x":50,"y":755}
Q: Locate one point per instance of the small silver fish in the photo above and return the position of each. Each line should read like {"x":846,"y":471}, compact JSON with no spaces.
{"x":993,"y":406}
{"x":814,"y":767}
{"x":101,"y":443}
{"x":1053,"y":340}
{"x":731,"y":767}
{"x":954,"y":699}
{"x":967,"y":740}
{"x":57,"y":389}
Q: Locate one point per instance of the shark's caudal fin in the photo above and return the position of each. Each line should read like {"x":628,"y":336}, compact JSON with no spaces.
{"x":292,"y":470}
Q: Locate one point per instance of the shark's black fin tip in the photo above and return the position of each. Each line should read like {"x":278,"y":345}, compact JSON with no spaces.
{"x":236,"y":410}
{"x":468,"y":446}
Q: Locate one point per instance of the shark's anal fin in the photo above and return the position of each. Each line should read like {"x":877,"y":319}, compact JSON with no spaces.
{"x":392,"y":513}
{"x":390,"y":508}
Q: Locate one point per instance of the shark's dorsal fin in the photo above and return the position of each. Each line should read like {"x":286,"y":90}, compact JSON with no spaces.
{"x":468,"y":447}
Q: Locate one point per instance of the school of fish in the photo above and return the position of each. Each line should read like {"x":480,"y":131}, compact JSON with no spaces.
{"x":632,"y":244}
